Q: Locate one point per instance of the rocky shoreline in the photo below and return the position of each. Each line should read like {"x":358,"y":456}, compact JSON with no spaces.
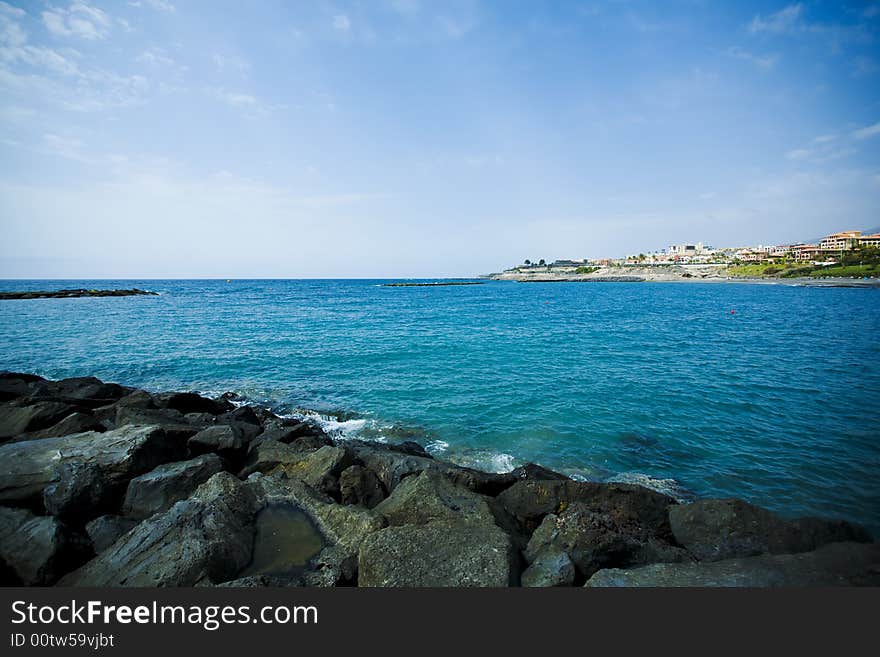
{"x":74,"y":293}
{"x":107,"y":485}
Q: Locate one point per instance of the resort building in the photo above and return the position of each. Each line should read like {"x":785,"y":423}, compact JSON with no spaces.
{"x":844,"y":241}
{"x":870,"y":241}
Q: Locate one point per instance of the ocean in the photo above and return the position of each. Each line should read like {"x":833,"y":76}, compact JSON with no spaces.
{"x":766,"y":392}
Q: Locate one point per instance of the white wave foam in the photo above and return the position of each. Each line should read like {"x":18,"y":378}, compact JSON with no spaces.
{"x":666,"y":486}
{"x":436,"y":447}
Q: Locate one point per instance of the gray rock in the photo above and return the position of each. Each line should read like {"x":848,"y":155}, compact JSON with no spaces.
{"x":358,"y":485}
{"x":268,"y":455}
{"x":320,"y":469}
{"x":169,"y":419}
{"x":158,"y":489}
{"x":17,"y":419}
{"x":38,"y":549}
{"x":529,"y":501}
{"x":84,"y":391}
{"x":31,"y":466}
{"x":221,"y":439}
{"x":78,"y":492}
{"x":73,"y":423}
{"x":104,"y":531}
{"x":837,"y":564}
{"x":439,"y":553}
{"x":713,"y":530}
{"x":431,"y":496}
{"x":550,"y":568}
{"x":598,"y":540}
{"x":190,"y":402}
{"x":206,"y":538}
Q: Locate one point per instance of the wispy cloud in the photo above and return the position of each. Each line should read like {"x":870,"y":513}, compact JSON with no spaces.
{"x":158,"y":5}
{"x":341,"y":22}
{"x":867,"y":132}
{"x":783,"y":21}
{"x":79,"y":20}
{"x":764,"y":62}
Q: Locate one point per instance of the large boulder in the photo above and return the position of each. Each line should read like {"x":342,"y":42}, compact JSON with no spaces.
{"x":359,"y":485}
{"x":439,"y":553}
{"x":221,"y":439}
{"x":38,"y":549}
{"x":320,"y":469}
{"x":430,"y":496}
{"x":550,"y":568}
{"x":530,"y":500}
{"x":74,"y":423}
{"x":269,"y":454}
{"x":86,"y":391}
{"x":104,"y":531}
{"x":713,"y":530}
{"x":598,"y":540}
{"x":158,"y":489}
{"x":838,"y":564}
{"x":169,"y":419}
{"x":20,"y":418}
{"x":71,"y":464}
{"x":207,"y":538}
{"x":14,"y":385}
{"x":190,"y":402}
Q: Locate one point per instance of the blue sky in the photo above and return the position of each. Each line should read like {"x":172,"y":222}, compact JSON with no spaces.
{"x":164,"y":138}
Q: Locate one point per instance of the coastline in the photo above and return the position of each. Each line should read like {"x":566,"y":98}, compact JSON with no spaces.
{"x":106,"y":485}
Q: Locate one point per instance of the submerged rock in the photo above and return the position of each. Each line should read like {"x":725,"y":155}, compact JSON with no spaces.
{"x":838,"y":564}
{"x":158,"y":489}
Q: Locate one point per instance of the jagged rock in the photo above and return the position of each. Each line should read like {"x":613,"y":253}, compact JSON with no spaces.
{"x":439,"y":553}
{"x":245,"y":414}
{"x":549,"y":568}
{"x":431,"y":496}
{"x":190,"y":402}
{"x":14,"y":385}
{"x":530,"y":501}
{"x":306,"y":432}
{"x":38,"y":549}
{"x":169,"y":419}
{"x":320,"y":469}
{"x":254,"y":581}
{"x":32,"y":466}
{"x":221,"y":439}
{"x":713,"y":530}
{"x":78,"y":492}
{"x":268,"y":455}
{"x":389,"y":465}
{"x":837,"y":564}
{"x":104,"y":531}
{"x":158,"y":489}
{"x":17,"y":419}
{"x":84,"y":391}
{"x":206,"y":538}
{"x":358,"y":485}
{"x":598,"y":540}
{"x":73,"y":423}
{"x":535,"y":472}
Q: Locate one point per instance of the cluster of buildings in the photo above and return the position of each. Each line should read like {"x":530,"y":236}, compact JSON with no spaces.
{"x":828,"y":249}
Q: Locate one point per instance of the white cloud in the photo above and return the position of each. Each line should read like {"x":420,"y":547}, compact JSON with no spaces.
{"x":225,"y":62}
{"x":9,"y":10}
{"x":80,"y":20}
{"x":764,"y":62}
{"x":158,"y":5}
{"x":799,"y":154}
{"x":867,"y":132}
{"x":341,"y":23}
{"x":154,"y":57}
{"x":784,"y":20}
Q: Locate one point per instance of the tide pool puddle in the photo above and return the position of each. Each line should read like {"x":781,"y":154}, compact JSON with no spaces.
{"x":285,"y":541}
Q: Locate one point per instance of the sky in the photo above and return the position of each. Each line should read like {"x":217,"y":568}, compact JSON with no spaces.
{"x":408,"y":138}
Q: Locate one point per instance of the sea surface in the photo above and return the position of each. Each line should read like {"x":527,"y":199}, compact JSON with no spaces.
{"x":770,"y":393}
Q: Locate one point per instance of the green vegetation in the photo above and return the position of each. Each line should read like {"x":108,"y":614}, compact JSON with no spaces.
{"x":856,"y":263}
{"x":585,"y":270}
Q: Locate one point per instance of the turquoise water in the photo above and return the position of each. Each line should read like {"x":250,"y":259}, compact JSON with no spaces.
{"x":777,"y":403}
